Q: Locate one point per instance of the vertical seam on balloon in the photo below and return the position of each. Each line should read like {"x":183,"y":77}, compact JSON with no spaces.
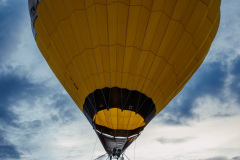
{"x":140,"y":51}
{"x":147,"y":113}
{"x":109,"y":59}
{"x":103,"y":67}
{"x":57,"y":67}
{"x":142,"y":44}
{"x":124,"y":56}
{"x":164,"y":98}
{"x":155,"y":56}
{"x":124,"y":51}
{"x":64,"y":79}
{"x":73,"y":35}
{"x":79,"y":52}
{"x":88,"y":113}
{"x":88,"y":76}
{"x":157,"y":49}
{"x":109,"y":62}
{"x":169,"y":58}
{"x":67,"y":54}
{"x":116,"y":59}
{"x":107,"y":118}
{"x":129,"y":67}
{"x":203,"y":3}
{"x":49,"y":45}
{"x":109,"y":66}
{"x":94,"y":51}
{"x":195,"y":46}
{"x":108,"y":46}
{"x":153,"y":59}
{"x":186,"y":32}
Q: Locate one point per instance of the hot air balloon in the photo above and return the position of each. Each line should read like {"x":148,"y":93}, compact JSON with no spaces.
{"x":123,"y":61}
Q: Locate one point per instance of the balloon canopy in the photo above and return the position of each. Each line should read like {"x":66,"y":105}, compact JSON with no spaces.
{"x":123,"y":61}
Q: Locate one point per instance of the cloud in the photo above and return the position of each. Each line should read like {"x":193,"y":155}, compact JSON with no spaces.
{"x":235,"y":85}
{"x":2,"y":2}
{"x":31,"y":112}
{"x":37,"y":114}
{"x":14,"y":88}
{"x":222,"y":158}
{"x":226,"y":45}
{"x":208,"y":80}
{"x":173,"y":140}
{"x":218,"y":158}
{"x":223,"y":115}
{"x":7,"y":149}
{"x":11,"y":16}
{"x":61,"y":105}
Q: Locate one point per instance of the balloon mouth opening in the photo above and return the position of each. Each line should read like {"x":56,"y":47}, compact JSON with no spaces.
{"x":115,"y":118}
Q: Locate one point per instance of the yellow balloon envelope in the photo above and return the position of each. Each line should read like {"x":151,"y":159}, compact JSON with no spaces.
{"x":123,"y":61}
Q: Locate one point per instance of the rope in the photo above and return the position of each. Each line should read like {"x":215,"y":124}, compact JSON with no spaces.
{"x":135,"y":148}
{"x":94,"y":149}
{"x":126,"y":156}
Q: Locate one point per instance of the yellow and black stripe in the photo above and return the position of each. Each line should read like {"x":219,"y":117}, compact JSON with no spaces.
{"x":110,"y":55}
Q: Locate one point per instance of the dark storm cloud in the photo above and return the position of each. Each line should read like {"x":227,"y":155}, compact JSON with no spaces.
{"x":12,"y":18}
{"x":7,"y":149}
{"x":208,"y":80}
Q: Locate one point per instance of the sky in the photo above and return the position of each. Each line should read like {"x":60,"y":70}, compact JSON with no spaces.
{"x":39,"y":121}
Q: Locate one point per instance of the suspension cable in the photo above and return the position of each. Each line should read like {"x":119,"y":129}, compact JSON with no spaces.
{"x":126,"y":156}
{"x":94,"y":148}
{"x":135,"y":148}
